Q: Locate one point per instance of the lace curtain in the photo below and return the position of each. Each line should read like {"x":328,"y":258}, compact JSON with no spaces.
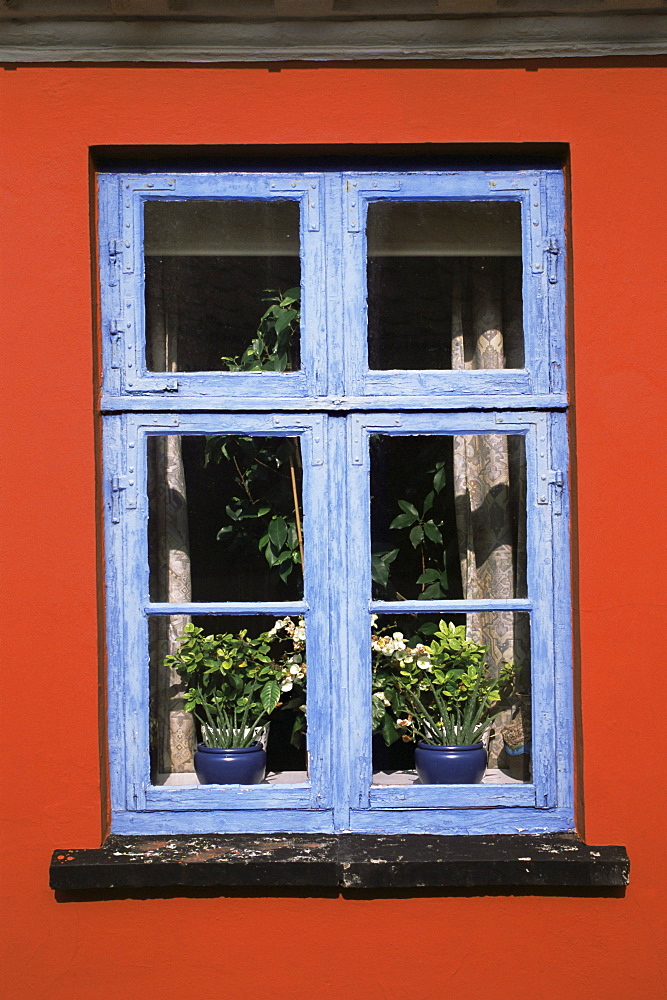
{"x":173,"y":735}
{"x":486,"y":333}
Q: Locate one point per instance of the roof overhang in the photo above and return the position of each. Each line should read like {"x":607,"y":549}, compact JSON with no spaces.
{"x":174,"y":39}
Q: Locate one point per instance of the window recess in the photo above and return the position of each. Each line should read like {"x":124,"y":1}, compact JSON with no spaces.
{"x":334,"y":423}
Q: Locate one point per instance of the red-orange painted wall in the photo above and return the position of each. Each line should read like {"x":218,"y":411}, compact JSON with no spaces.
{"x":532,"y":947}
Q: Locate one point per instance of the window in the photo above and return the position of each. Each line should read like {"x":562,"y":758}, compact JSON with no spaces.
{"x":404,"y":415}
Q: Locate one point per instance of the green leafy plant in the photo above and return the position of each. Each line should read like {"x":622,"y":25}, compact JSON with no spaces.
{"x":272,"y":347}
{"x":414,"y":681}
{"x":265,"y":514}
{"x":459,"y":725}
{"x":420,"y":523}
{"x":234,"y":683}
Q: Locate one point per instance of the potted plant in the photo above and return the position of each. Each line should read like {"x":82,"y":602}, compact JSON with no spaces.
{"x":233,"y":684}
{"x":451,"y":751}
{"x":440,"y":694}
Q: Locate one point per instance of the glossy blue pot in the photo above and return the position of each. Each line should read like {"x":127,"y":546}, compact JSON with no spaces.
{"x":450,"y":765}
{"x":240,"y":766}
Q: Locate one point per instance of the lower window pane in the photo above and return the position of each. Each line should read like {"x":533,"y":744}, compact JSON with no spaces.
{"x":227,"y":681}
{"x":454,"y":680}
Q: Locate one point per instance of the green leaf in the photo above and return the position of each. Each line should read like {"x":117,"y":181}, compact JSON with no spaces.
{"x":417,"y":535}
{"x":270,"y":556}
{"x":403,"y":520}
{"x":431,"y":593}
{"x":429,"y":576}
{"x":297,"y":729}
{"x":278,"y":531}
{"x":270,"y":695}
{"x":379,"y":571}
{"x":432,"y":531}
{"x":389,"y":730}
{"x":285,"y":319}
{"x":439,"y":480}
{"x":408,"y":508}
{"x":428,"y":501}
{"x":380,"y":562}
{"x":378,"y":712}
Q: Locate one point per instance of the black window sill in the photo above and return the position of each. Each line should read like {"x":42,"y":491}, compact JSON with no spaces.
{"x":344,"y":862}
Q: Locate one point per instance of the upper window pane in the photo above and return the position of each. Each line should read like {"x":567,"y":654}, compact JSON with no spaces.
{"x":222,"y":285}
{"x":444,"y":285}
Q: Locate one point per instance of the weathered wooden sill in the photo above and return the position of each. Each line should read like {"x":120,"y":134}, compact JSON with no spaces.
{"x":347,"y":861}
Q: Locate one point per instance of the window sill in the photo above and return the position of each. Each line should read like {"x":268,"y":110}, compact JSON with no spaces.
{"x":493,"y":776}
{"x":348,"y":861}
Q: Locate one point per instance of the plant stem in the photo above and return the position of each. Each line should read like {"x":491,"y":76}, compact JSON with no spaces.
{"x":297,"y":513}
{"x":242,"y":481}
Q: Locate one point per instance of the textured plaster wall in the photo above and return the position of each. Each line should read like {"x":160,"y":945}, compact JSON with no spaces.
{"x":570,"y":947}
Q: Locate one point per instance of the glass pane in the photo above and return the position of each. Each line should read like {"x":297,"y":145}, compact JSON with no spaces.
{"x":225,"y":518}
{"x":222,"y":285}
{"x":250,"y":683}
{"x":448,"y":517}
{"x":444,"y":285}
{"x":428,"y":669}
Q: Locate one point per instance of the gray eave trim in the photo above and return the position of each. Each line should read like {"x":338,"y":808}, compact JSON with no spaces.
{"x":287,"y":40}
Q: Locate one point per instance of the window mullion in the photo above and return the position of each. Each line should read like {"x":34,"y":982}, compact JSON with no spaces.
{"x":331,"y":343}
{"x":343,"y":587}
{"x":358,"y":564}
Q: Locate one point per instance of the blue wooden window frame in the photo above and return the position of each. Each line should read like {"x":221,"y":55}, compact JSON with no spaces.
{"x":333,"y":404}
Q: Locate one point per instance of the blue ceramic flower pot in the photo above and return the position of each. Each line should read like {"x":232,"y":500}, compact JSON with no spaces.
{"x":240,"y":766}
{"x":438,"y":765}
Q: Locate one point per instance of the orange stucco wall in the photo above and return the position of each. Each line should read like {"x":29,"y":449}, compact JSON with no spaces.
{"x":307,"y":948}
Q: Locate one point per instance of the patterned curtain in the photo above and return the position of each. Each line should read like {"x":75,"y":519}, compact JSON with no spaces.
{"x":173,"y":734}
{"x":486,"y":333}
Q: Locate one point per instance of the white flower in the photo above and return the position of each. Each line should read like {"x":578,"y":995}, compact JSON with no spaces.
{"x":286,"y":685}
